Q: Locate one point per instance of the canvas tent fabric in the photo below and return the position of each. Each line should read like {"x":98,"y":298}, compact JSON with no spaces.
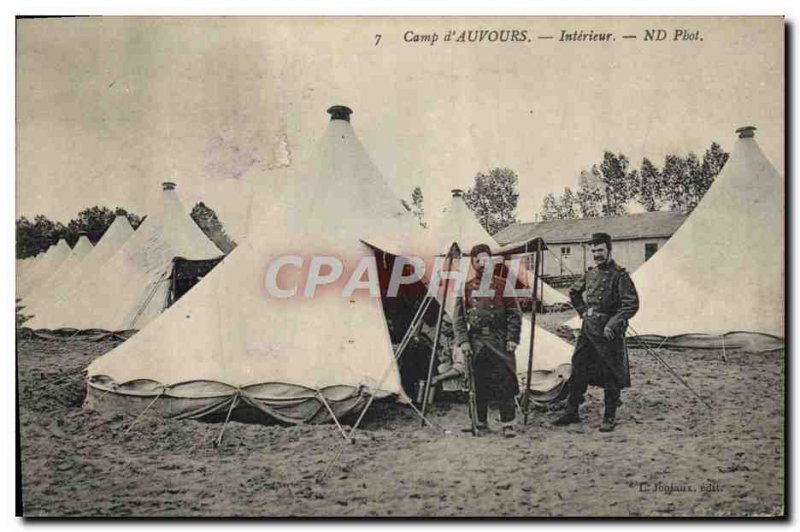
{"x":23,"y":265}
{"x":132,"y":287}
{"x":231,"y":342}
{"x":112,"y":240}
{"x":719,"y":281}
{"x":42,"y":271}
{"x":552,"y":356}
{"x":82,"y":248}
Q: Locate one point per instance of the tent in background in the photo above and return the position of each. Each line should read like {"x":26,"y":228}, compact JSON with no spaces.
{"x":43,"y":269}
{"x":552,"y":356}
{"x":82,"y":248}
{"x":719,"y":281}
{"x":140,"y":280}
{"x":23,"y":265}
{"x":457,"y":220}
{"x":114,"y":237}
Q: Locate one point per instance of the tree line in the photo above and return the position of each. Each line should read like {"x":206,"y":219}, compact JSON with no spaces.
{"x":611,"y":187}
{"x":35,"y":235}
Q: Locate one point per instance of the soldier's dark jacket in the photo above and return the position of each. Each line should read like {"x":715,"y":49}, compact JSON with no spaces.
{"x":604,"y":297}
{"x":488,"y":322}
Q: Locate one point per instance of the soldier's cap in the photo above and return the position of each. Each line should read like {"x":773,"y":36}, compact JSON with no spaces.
{"x":601,"y":238}
{"x":480,"y":248}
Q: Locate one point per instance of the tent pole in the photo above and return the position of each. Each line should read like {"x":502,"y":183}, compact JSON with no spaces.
{"x":724,"y":355}
{"x":333,"y":416}
{"x":418,"y":316}
{"x":534,"y":298}
{"x":234,"y":400}
{"x":437,"y":333}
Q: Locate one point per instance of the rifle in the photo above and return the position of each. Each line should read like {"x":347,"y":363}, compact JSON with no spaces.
{"x":469,"y":376}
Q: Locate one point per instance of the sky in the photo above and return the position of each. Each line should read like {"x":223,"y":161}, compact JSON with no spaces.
{"x":107,"y":108}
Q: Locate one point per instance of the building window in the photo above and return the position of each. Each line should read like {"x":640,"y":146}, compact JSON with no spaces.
{"x":565,"y":251}
{"x":650,"y":250}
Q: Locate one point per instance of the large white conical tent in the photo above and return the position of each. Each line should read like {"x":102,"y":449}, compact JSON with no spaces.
{"x":133,"y":286}
{"x":82,"y":248}
{"x":43,"y":269}
{"x":720,"y":278}
{"x":112,"y":240}
{"x":552,"y":356}
{"x":231,"y":339}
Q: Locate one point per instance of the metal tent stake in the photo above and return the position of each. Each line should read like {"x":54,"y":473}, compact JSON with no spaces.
{"x":438,"y":332}
{"x":534,"y":297}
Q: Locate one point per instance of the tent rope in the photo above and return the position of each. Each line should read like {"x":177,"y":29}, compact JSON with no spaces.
{"x":330,"y":411}
{"x":349,"y":438}
{"x":420,"y":414}
{"x":672,"y":371}
{"x":154,"y":288}
{"x":163,"y":390}
{"x":234,"y":400}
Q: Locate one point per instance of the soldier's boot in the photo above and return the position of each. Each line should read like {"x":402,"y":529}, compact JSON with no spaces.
{"x":569,"y":416}
{"x":610,"y":414}
{"x":608,"y":424}
{"x":509,"y":432}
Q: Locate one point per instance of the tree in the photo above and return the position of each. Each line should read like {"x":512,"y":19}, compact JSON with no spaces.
{"x":648,"y":186}
{"x":590,"y":194}
{"x":416,"y":206}
{"x":614,"y":175}
{"x":36,"y":236}
{"x":207,"y":220}
{"x":561,"y":207}
{"x":95,"y":221}
{"x":714,"y":160}
{"x":494,"y":198}
{"x":568,"y":204}
{"x":550,"y":208}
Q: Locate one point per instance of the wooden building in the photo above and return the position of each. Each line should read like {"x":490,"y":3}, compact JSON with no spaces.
{"x":636,"y":238}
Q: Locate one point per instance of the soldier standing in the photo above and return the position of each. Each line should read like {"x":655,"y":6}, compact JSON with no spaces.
{"x":606,"y":299}
{"x":487,"y":324}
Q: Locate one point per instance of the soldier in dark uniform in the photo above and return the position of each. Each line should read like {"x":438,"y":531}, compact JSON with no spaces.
{"x":488,"y":326}
{"x":606,"y":299}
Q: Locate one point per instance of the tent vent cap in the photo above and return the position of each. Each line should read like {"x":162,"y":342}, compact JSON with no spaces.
{"x":457,"y":192}
{"x":340,"y":112}
{"x":168,"y":185}
{"x":746,"y":132}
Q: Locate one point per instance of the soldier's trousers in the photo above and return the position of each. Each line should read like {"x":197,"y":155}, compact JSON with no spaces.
{"x":577,"y":388}
{"x":493,"y":382}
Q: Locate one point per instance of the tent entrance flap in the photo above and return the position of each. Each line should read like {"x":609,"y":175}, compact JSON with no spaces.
{"x":187,"y":273}
{"x":399,"y":310}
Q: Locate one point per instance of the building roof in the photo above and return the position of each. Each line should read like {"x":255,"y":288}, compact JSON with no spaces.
{"x":659,"y":224}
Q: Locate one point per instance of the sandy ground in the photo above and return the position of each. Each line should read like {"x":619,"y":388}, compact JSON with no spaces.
{"x":668,"y":457}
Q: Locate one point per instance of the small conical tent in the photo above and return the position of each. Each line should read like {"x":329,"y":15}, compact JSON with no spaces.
{"x":82,"y":248}
{"x":719,"y":281}
{"x":42,"y":271}
{"x":552,"y":356}
{"x":231,"y":341}
{"x":458,"y":221}
{"x":135,"y":284}
{"x":23,"y":265}
{"x":112,"y":240}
